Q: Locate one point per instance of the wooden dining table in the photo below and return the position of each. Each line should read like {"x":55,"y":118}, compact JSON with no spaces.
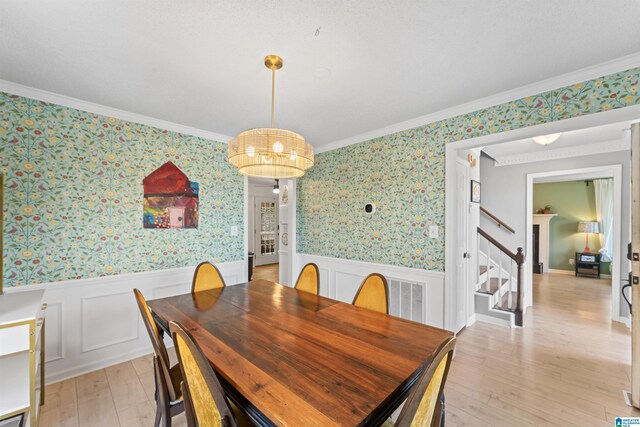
{"x":292,"y":358}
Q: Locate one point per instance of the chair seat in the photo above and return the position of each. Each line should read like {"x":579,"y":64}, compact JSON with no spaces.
{"x":242,"y":418}
{"x":176,"y":380}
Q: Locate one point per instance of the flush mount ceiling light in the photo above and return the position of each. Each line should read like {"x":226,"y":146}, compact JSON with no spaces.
{"x":546,"y":139}
{"x":276,"y":187}
{"x":270,"y":152}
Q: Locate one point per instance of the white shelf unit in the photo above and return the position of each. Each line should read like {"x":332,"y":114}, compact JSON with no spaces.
{"x":21,"y":355}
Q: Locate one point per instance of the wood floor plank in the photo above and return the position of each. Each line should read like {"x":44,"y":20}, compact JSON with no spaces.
{"x":568,"y":365}
{"x":126,"y":388}
{"x":95,"y":400}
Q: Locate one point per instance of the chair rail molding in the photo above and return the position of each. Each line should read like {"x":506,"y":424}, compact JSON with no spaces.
{"x":94,"y":323}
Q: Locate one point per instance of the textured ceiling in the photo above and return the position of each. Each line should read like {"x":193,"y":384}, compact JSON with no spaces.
{"x":350,"y":66}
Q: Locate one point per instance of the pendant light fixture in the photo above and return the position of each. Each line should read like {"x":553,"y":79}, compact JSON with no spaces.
{"x":270,"y":152}
{"x":276,"y":188}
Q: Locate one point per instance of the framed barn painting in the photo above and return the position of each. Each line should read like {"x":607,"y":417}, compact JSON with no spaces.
{"x":170,"y":199}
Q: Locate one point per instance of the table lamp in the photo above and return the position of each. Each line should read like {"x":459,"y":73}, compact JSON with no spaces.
{"x":588,"y":227}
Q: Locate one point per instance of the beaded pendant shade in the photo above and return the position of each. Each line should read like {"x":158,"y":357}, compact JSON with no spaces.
{"x":270,"y":152}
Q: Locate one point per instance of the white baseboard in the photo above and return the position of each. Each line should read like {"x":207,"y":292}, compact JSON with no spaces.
{"x":340,"y":279}
{"x":492,"y":320}
{"x":94,"y":323}
{"x":573,"y":273}
{"x":471,"y":320}
{"x":558,"y":271}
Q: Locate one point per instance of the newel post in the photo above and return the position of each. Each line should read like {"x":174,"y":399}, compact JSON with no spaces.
{"x":520,"y":262}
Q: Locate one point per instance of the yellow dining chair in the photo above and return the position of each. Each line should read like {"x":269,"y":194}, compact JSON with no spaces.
{"x":207,"y":276}
{"x":373,"y":294}
{"x":205,"y":402}
{"x":168,"y":378}
{"x":309,"y":279}
{"x":424,"y":404}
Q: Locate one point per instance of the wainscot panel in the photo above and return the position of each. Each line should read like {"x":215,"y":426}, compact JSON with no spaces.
{"x":94,"y":323}
{"x":414,"y":294}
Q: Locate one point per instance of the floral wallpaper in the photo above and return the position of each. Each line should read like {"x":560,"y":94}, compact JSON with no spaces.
{"x":74,"y":196}
{"x":403,"y":173}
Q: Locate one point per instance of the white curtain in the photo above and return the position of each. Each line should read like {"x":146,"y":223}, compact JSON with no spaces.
{"x":604,"y":212}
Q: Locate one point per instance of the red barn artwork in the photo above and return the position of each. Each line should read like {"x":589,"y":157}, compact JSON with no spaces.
{"x":170,"y":199}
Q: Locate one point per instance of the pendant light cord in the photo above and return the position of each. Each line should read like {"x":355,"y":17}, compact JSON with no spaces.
{"x":273,"y":85}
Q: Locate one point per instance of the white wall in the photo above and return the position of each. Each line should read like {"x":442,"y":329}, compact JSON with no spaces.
{"x":94,"y":323}
{"x":504,"y":194}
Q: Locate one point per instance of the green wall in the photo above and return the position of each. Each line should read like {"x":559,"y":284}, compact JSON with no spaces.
{"x":573,"y":201}
{"x":404,"y":174}
{"x":73,"y":195}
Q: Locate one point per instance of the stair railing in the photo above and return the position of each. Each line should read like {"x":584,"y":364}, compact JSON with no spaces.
{"x":515,"y":258}
{"x":501,"y":223}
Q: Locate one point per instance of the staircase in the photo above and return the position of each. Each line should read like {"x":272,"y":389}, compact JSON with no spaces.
{"x":499,"y":287}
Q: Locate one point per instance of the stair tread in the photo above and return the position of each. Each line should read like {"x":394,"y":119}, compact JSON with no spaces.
{"x":505,"y":302}
{"x":483,"y":268}
{"x":493,"y":285}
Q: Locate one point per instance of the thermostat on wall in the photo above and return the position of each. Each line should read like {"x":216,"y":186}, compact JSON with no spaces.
{"x":370,"y":208}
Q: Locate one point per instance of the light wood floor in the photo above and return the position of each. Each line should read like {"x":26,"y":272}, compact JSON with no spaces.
{"x":267,"y":272}
{"x":568,"y":366}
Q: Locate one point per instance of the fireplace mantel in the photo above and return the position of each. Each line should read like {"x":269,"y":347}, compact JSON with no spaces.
{"x":543,"y":221}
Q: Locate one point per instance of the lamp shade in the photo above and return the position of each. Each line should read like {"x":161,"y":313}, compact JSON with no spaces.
{"x":270,"y":153}
{"x":588,"y":227}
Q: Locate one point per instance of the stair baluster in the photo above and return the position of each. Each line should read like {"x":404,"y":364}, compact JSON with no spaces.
{"x":510,"y":285}
{"x":500,"y":279}
{"x":515,"y":286}
{"x":488,"y":282}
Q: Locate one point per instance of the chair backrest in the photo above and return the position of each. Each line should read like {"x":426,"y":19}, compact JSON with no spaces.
{"x":205,"y":403}
{"x":309,"y":279}
{"x":207,"y":276}
{"x":158,"y":345}
{"x":373,"y":294}
{"x":423,"y":407}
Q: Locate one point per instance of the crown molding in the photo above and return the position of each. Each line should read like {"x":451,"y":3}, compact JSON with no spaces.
{"x":565,"y":152}
{"x":617,"y":65}
{"x":79,"y":104}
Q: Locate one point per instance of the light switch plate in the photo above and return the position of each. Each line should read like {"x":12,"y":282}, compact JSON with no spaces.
{"x":433,"y":231}
{"x":234,"y":230}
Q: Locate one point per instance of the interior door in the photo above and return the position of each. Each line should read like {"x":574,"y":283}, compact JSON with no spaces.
{"x":635,"y":264}
{"x":266,"y":230}
{"x":462,"y":242}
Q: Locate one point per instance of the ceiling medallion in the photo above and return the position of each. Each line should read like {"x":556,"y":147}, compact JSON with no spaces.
{"x":271,"y":152}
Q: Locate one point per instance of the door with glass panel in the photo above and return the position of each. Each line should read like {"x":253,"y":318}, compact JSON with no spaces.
{"x":266,"y":230}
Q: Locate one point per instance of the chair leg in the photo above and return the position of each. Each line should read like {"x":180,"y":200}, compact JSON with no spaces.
{"x":156,"y":423}
{"x":166,"y":417}
{"x":163,"y":411}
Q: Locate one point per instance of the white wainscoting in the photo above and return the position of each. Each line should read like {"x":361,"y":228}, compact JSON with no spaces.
{"x":413,"y":293}
{"x":94,"y":323}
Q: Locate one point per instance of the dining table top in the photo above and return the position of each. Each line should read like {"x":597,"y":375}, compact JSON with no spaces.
{"x":292,"y":358}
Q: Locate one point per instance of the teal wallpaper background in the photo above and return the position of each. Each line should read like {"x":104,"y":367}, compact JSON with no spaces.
{"x":73,"y":195}
{"x":403,"y":173}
